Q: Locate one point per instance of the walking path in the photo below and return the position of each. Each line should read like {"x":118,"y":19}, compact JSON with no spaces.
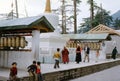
{"x":47,"y":68}
{"x":111,"y":74}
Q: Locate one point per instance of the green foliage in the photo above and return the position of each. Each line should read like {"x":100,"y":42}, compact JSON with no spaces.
{"x":101,"y":17}
{"x":93,"y":2}
{"x":116,"y":23}
{"x":78,"y":1}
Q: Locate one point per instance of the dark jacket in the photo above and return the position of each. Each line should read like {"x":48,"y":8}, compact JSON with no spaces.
{"x":88,"y":50}
{"x":114,"y":51}
{"x":32,"y":68}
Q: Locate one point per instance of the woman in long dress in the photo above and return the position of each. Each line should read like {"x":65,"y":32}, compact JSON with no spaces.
{"x":78,"y":54}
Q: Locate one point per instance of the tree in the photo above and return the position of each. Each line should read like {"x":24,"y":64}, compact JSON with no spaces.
{"x":101,"y":17}
{"x":75,"y":15}
{"x":93,"y":7}
{"x":63,"y":17}
{"x":116,"y":23}
{"x":68,"y":15}
{"x":91,"y":3}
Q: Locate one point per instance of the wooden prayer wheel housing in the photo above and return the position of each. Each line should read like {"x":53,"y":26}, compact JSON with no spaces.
{"x":1,"y":42}
{"x":13,"y":41}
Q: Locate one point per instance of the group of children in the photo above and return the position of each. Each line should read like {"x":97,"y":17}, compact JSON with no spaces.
{"x":34,"y":71}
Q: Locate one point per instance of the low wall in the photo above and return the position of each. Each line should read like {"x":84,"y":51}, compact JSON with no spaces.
{"x":65,"y":75}
{"x":78,"y":72}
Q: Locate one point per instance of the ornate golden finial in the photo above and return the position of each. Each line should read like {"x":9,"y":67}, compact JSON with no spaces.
{"x":48,"y":7}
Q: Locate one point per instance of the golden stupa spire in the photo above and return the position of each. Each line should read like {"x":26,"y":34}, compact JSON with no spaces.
{"x":48,"y":7}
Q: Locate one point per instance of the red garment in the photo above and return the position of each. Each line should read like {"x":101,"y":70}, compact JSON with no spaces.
{"x":13,"y":71}
{"x":65,"y":57}
{"x":38,"y":71}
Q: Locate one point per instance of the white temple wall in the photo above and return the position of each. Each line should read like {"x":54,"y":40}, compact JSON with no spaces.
{"x":23,"y":58}
{"x":44,"y":43}
{"x":111,"y":44}
{"x":48,"y":47}
{"x":57,"y":43}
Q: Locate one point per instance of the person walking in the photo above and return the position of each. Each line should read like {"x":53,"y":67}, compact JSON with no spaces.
{"x":57,"y":57}
{"x":32,"y":70}
{"x":13,"y":72}
{"x":78,"y":54}
{"x":38,"y":72}
{"x":114,"y":52}
{"x":87,"y":51}
{"x":65,"y":55}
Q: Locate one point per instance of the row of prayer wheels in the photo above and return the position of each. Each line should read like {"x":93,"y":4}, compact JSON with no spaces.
{"x":92,"y":45}
{"x":13,"y":42}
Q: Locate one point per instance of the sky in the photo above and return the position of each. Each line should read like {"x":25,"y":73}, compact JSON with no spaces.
{"x":35,"y":7}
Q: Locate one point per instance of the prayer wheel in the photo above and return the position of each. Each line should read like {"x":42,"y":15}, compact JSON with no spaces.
{"x":9,"y":40}
{"x":95,"y":45}
{"x":12,"y":41}
{"x":92,"y":45}
{"x":22,"y":42}
{"x":99,"y":46}
{"x":1,"y":42}
{"x":67,"y":44}
{"x":5,"y":41}
{"x":70,"y":44}
{"x":74,"y":45}
{"x":17,"y":42}
{"x":82,"y":45}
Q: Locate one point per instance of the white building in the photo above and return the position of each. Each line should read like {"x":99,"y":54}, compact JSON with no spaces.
{"x":30,"y":28}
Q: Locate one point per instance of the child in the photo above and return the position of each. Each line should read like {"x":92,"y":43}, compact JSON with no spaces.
{"x":32,"y":70}
{"x":13,"y":72}
{"x":38,"y":72}
{"x":57,"y":57}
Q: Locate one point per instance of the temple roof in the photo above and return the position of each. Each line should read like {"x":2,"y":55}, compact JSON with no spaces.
{"x":103,"y":36}
{"x":103,"y":29}
{"x":27,"y":24}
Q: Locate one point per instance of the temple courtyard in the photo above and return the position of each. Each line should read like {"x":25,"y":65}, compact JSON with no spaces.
{"x":48,"y":68}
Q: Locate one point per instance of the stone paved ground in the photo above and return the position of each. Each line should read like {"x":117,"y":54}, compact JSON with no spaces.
{"x":111,"y":74}
{"x":47,"y":68}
